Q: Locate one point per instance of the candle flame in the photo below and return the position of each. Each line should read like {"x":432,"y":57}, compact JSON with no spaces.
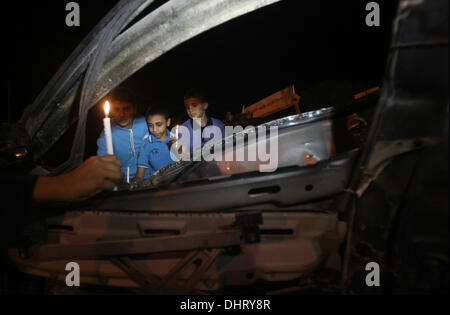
{"x":106,"y":108}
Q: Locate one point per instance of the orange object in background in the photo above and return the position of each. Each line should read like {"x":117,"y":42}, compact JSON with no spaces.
{"x":366,"y":92}
{"x":274,"y":103}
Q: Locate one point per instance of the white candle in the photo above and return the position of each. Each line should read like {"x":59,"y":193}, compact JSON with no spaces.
{"x":177,"y":127}
{"x":128,"y":174}
{"x":107,"y":126}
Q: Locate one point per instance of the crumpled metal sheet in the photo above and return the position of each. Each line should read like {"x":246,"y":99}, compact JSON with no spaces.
{"x":163,"y":29}
{"x":300,"y":119}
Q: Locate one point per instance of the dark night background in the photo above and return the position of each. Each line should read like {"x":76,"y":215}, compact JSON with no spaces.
{"x":324,"y":48}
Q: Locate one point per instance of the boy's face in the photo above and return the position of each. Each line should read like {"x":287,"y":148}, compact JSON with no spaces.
{"x":157,"y":125}
{"x":195,"y":107}
{"x":123,"y":113}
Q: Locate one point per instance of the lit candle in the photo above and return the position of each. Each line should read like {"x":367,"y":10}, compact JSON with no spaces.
{"x":177,"y":127}
{"x":107,"y":126}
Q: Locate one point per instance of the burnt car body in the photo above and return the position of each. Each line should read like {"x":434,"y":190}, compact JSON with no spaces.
{"x":206,"y":226}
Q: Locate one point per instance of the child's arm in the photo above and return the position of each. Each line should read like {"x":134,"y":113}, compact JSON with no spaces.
{"x":181,"y":154}
{"x":142,"y":162}
{"x":140,"y":174}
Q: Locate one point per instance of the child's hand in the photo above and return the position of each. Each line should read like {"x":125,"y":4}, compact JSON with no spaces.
{"x":140,"y":174}
{"x":135,"y":180}
{"x":173,"y":141}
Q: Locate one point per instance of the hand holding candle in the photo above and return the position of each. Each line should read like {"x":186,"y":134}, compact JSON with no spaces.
{"x":107,"y":127}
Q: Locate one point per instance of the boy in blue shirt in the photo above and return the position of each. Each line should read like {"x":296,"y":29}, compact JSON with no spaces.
{"x":196,"y":104}
{"x":156,"y":151}
{"x":128,"y":132}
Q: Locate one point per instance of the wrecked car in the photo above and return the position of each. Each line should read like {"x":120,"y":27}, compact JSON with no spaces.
{"x":321,"y":210}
